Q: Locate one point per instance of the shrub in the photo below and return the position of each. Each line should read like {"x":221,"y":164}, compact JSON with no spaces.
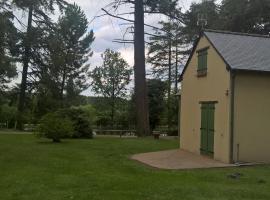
{"x":81,"y":121}
{"x":7,"y":115}
{"x":54,"y":127}
{"x":90,"y":111}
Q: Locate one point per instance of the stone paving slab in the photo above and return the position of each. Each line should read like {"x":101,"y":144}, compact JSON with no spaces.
{"x":178,"y":159}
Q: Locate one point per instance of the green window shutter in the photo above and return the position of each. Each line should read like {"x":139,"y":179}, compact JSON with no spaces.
{"x":199,"y":62}
{"x":204,"y":128}
{"x":202,"y":60}
{"x":207,"y":128}
{"x":211,"y":127}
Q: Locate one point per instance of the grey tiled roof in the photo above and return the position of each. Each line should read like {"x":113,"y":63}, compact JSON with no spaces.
{"x":242,"y":51}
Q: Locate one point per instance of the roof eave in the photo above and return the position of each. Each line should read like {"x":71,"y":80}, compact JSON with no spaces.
{"x":251,"y":71}
{"x":190,"y":56}
{"x":228,"y":67}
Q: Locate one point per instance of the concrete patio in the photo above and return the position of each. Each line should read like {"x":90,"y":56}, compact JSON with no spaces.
{"x":178,"y":159}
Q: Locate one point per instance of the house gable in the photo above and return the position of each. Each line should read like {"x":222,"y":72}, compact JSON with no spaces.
{"x":240,"y":51}
{"x":203,"y":43}
{"x":212,"y":87}
{"x":197,"y":46}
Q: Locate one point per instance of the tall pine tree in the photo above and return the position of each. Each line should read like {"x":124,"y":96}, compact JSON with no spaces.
{"x":38,"y":12}
{"x":166,"y":7}
{"x":8,"y":48}
{"x":69,"y":50}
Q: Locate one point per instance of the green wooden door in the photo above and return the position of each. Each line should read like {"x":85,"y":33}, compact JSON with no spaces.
{"x":207,"y":128}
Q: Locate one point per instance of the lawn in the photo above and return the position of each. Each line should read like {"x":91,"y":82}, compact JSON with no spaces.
{"x":100,"y":169}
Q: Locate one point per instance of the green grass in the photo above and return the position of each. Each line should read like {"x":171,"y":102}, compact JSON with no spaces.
{"x":34,"y":169}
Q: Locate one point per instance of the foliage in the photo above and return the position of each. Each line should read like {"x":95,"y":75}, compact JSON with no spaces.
{"x":101,"y":110}
{"x":81,"y":121}
{"x":174,"y":113}
{"x":167,"y":54}
{"x":7,"y":72}
{"x":173,"y":132}
{"x":157,"y":104}
{"x":78,"y":118}
{"x":207,"y":10}
{"x":246,"y":16}
{"x":90,"y":111}
{"x":61,"y":53}
{"x":55,"y":127}
{"x":75,"y":41}
{"x":38,"y":17}
{"x":7,"y":114}
{"x":42,"y":7}
{"x":65,"y":73}
{"x":164,"y":43}
{"x":44,"y":102}
{"x":8,"y":49}
{"x":231,"y":15}
{"x":111,"y":79}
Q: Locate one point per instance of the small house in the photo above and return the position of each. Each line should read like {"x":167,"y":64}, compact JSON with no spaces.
{"x":225,"y":98}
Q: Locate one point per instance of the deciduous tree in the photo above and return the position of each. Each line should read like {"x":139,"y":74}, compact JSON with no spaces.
{"x":245,"y":16}
{"x":111,"y":79}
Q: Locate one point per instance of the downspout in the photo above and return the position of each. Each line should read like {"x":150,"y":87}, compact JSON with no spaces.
{"x":179,"y":113}
{"x":232,"y":96}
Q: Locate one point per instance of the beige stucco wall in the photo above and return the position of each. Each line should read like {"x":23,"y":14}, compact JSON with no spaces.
{"x":252,"y":118}
{"x":195,"y":89}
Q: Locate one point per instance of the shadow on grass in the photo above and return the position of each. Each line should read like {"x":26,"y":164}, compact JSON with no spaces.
{"x":50,"y":142}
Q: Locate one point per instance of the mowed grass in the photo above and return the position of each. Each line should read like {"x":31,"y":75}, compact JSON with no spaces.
{"x":100,"y":169}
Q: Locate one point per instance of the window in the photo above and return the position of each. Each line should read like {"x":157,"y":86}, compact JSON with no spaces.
{"x":202,"y":62}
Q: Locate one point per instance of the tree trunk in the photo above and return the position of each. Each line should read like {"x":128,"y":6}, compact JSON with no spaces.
{"x":63,"y":88}
{"x":113,"y":101}
{"x":56,"y":140}
{"x":113,"y":110}
{"x":26,"y":60}
{"x":141,"y":97}
{"x":176,"y":70}
{"x":169,"y":84}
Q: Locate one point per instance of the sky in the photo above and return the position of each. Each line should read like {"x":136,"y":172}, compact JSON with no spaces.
{"x":106,"y":29}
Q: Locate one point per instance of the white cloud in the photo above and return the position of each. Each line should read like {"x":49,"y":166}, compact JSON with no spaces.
{"x":127,"y":53}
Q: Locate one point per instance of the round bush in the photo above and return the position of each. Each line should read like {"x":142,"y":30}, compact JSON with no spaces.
{"x":55,"y":127}
{"x":80,"y":120}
